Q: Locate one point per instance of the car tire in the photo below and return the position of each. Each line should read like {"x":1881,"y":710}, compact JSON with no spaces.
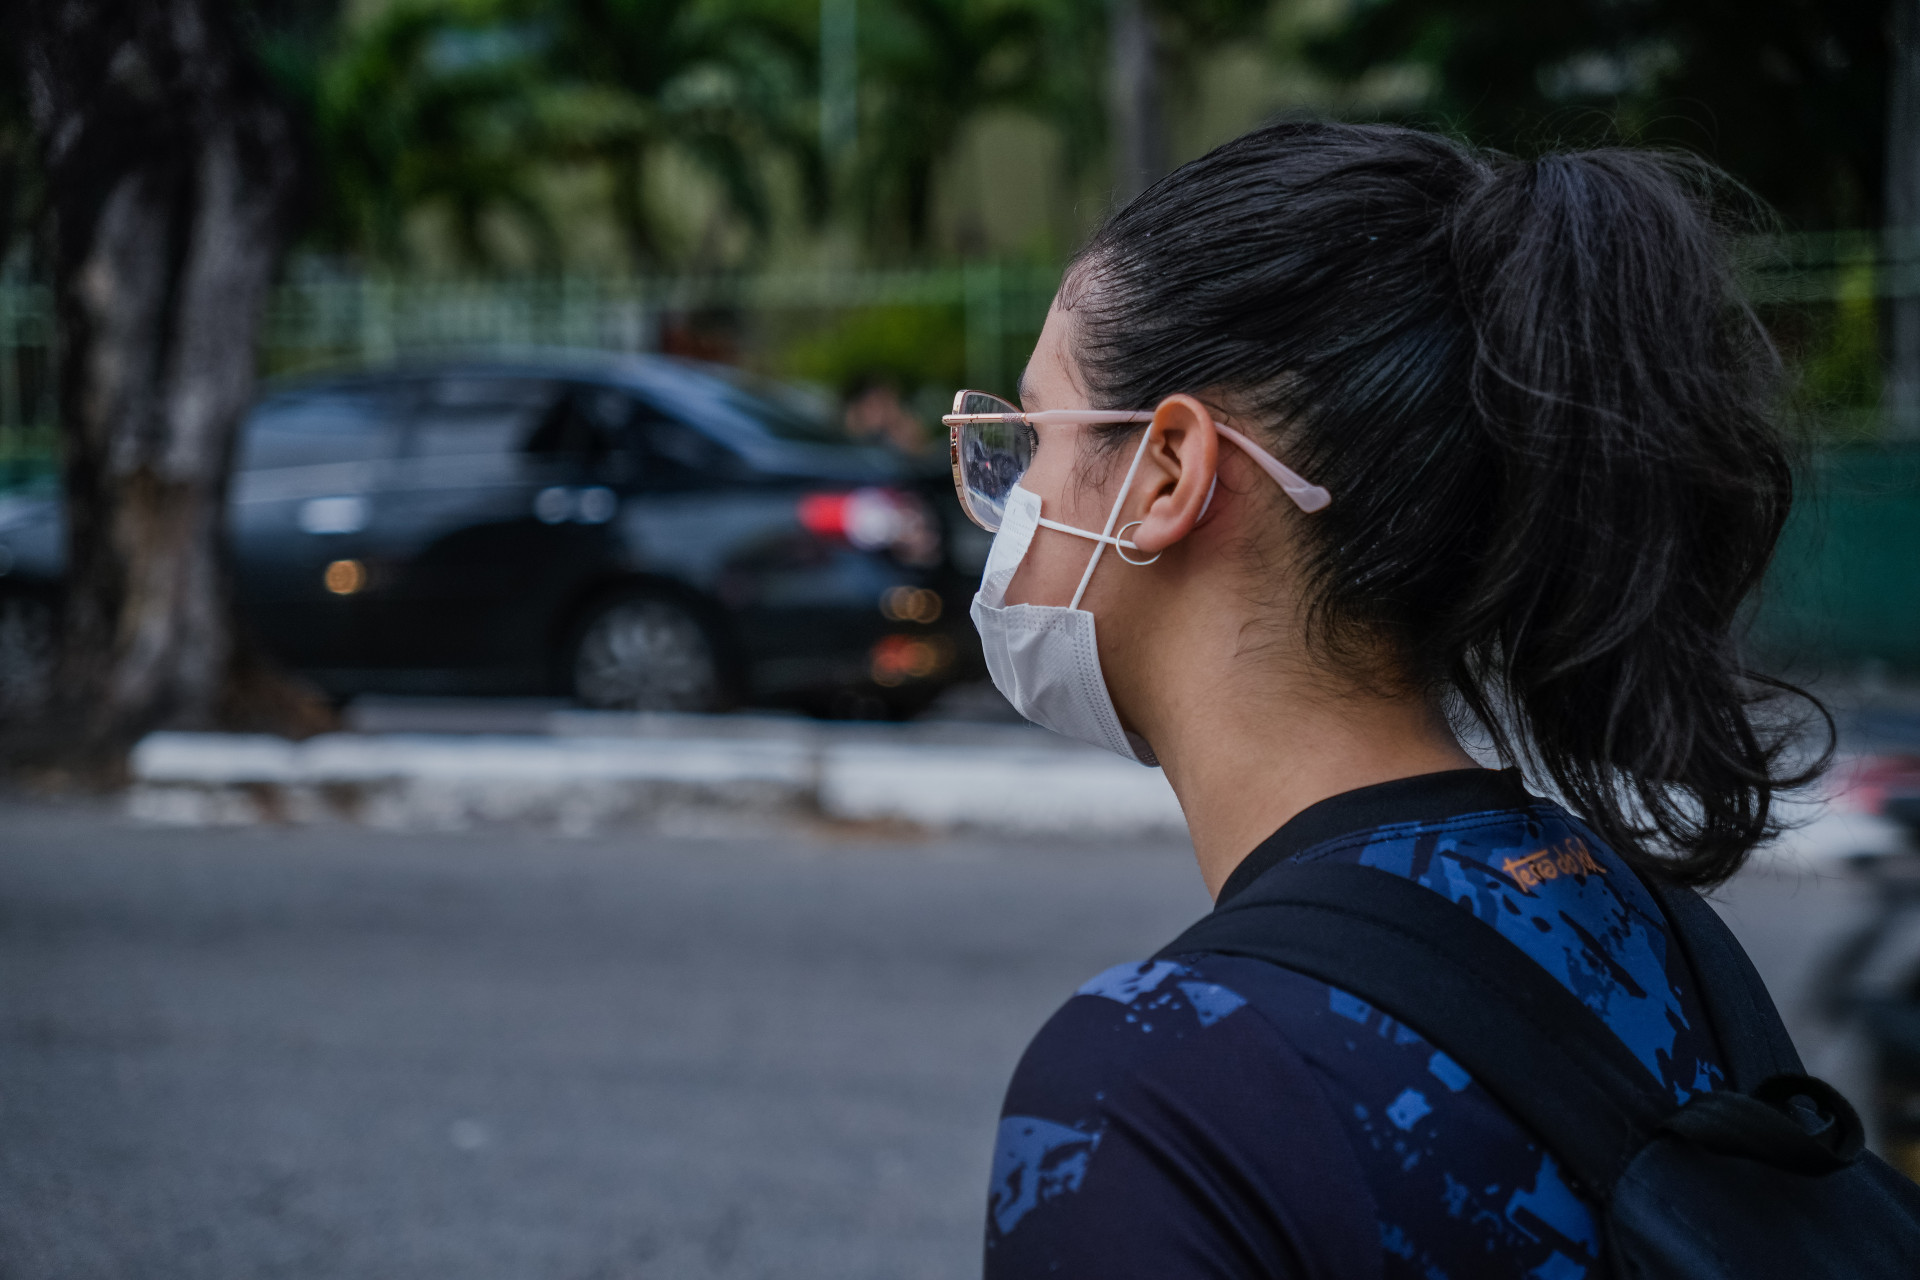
{"x":645,"y":653}
{"x":28,"y":638}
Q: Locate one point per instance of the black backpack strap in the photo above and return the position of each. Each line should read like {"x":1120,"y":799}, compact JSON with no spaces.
{"x":1754,"y":1045}
{"x":1405,"y":949}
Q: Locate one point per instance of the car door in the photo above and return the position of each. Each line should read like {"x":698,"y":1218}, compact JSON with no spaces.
{"x":309,"y":475}
{"x":498,"y":513}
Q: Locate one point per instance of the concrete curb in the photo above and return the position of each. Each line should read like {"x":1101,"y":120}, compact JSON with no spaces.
{"x":650,"y":771}
{"x":596,"y":771}
{"x":1034,"y":791}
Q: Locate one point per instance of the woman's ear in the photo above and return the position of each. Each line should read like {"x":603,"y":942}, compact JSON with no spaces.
{"x":1176,"y":473}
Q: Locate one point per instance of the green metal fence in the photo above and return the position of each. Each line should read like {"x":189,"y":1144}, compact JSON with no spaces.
{"x":1844,"y":593}
{"x":27,"y":409}
{"x":984,"y":319}
{"x":325,"y":319}
{"x":1847,"y":586}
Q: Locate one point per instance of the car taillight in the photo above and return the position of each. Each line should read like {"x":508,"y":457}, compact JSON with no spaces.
{"x":897,"y":659}
{"x":874,"y":519}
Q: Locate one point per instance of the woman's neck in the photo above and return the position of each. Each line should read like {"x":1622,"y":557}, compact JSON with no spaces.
{"x":1245,"y":755}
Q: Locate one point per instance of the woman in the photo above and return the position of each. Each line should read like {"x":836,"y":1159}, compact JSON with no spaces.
{"x":1346,"y":437}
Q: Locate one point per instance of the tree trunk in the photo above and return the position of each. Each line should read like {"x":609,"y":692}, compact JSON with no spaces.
{"x":1133,"y":99}
{"x":1903,"y":224}
{"x":170,"y":173}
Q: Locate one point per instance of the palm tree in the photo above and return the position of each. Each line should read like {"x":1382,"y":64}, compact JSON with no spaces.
{"x":433,"y":104}
{"x":722,"y":83}
{"x":928,"y":67}
{"x":460,"y":105}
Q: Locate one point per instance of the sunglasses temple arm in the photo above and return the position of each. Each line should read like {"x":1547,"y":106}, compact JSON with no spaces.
{"x":1308,"y":497}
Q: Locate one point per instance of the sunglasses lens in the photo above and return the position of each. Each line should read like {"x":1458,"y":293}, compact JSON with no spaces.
{"x":991,"y":457}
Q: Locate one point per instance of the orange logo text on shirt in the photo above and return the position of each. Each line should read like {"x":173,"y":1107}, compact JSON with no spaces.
{"x":1570,"y":857}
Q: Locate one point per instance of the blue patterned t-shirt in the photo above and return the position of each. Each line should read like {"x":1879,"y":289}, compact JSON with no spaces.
{"x":1220,"y":1116}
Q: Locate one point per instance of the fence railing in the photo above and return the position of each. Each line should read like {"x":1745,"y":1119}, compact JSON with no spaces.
{"x":28,"y":413}
{"x":323,"y":318}
{"x":318,"y":318}
{"x":1823,"y":267}
{"x":1824,"y":295}
{"x":1847,"y":584}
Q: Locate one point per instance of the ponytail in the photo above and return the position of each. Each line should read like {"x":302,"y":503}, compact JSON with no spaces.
{"x":1646,"y":483}
{"x":1547,"y":418}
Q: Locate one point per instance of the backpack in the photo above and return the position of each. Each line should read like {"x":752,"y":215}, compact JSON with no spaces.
{"x":1765,"y":1178}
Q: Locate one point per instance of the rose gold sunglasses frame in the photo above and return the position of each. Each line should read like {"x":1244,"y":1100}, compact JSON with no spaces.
{"x":1307,"y":496}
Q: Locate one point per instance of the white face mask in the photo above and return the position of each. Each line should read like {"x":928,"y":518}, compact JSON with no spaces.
{"x":1043,"y":657}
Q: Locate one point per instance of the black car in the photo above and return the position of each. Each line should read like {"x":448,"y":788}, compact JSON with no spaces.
{"x":636,"y":531}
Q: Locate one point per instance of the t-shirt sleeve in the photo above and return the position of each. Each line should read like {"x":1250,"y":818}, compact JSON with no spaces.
{"x":1157,"y":1126}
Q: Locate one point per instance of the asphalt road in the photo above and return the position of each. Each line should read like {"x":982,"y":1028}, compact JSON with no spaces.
{"x":332,"y":1053}
{"x":299,"y":1053}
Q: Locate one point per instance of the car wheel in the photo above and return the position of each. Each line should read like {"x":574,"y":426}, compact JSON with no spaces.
{"x":26,"y":655}
{"x":643,"y":653}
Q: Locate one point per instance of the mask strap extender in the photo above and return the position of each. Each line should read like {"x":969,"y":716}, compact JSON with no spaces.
{"x":1105,"y":535}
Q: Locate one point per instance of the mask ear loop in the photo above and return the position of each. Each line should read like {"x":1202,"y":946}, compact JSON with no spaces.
{"x":1112,"y":516}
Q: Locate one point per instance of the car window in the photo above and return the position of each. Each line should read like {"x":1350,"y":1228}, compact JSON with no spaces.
{"x":323,"y":425}
{"x":781,"y":411}
{"x":588,"y":424}
{"x":684,"y":452}
{"x":478,"y":415}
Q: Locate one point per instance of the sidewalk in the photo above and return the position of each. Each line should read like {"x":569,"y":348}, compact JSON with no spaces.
{"x":442,"y":765}
{"x":580,"y":772}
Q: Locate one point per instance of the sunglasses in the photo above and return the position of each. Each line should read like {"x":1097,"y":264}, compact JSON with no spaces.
{"x":992,"y":443}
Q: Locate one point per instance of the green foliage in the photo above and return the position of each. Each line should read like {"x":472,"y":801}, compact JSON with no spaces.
{"x":289,"y":40}
{"x":927,"y":68}
{"x":1839,"y":361}
{"x":480,"y":111}
{"x":726,"y":85}
{"x":930,"y":67}
{"x":462,"y":105}
{"x":20,"y":194}
{"x":435,"y":103}
{"x":911,"y":346}
{"x":472,"y":110}
{"x":1787,"y":95}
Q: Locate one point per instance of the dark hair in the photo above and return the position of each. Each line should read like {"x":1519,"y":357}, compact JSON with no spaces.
{"x":1546,"y":419}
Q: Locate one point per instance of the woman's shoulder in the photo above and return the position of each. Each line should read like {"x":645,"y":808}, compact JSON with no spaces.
{"x":1452,"y":1174}
{"x":1187,"y":1115}
{"x":1159,"y":1029}
{"x":1156,"y":1125}
{"x":1161,"y":1020}
{"x":1547,"y":884}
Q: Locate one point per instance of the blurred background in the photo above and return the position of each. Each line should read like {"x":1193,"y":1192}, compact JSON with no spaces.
{"x":500,"y":780}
